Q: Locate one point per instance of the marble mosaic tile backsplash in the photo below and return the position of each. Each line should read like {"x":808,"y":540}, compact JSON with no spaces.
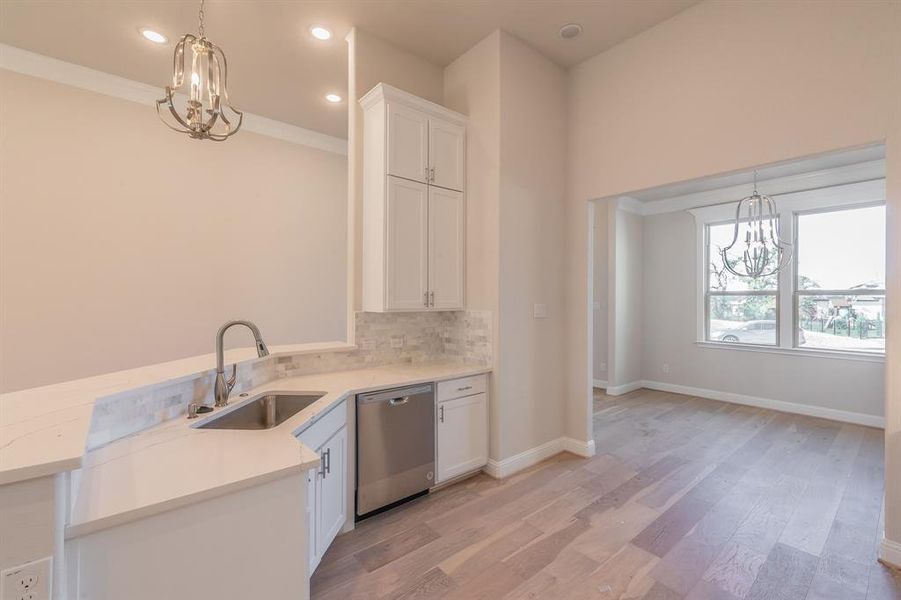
{"x":381,"y":339}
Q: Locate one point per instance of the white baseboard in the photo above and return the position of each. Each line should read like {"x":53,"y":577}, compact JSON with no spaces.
{"x":578,"y":447}
{"x":618,"y":390}
{"x":599,"y":383}
{"x":499,"y":469}
{"x":780,"y":405}
{"x":890,"y":553}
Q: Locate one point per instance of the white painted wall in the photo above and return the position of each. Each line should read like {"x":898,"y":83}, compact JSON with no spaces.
{"x":670,"y":332}
{"x":516,"y":100}
{"x":676,"y":103}
{"x":891,"y":550}
{"x":626,"y":309}
{"x":124,"y":244}
{"x":472,"y":87}
{"x":600,"y":293}
{"x":532,"y":188}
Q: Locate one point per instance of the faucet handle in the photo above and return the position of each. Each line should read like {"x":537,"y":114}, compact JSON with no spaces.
{"x":196,"y":408}
{"x":233,"y":379}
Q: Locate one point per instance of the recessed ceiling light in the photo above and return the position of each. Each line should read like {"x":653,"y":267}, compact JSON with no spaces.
{"x":320,"y":33}
{"x":334,"y":98}
{"x":154,"y":36}
{"x":570,"y":30}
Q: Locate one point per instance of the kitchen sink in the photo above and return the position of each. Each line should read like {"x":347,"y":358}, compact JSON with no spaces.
{"x":264,"y":412}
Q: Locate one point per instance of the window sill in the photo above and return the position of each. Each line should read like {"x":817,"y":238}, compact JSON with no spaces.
{"x":871,"y":357}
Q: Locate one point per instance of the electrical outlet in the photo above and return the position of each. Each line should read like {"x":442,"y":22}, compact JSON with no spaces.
{"x":603,"y":366}
{"x":30,"y":581}
{"x":398,"y":341}
{"x":666,"y":367}
{"x":539,"y":311}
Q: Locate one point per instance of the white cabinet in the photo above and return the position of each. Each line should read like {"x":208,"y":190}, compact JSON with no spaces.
{"x":447,"y":237}
{"x":447,"y":156}
{"x":331,"y":492}
{"x":408,"y":143}
{"x":327,"y":485}
{"x":407,"y":247}
{"x":414,"y":217}
{"x":462,"y":428}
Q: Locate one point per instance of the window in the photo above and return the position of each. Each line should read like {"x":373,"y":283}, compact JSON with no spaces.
{"x":831,"y":298}
{"x":739,"y":310}
{"x":840,"y":284}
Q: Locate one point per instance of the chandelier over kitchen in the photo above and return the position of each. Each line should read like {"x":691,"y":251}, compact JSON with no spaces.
{"x":763,"y":252}
{"x":207,"y":113}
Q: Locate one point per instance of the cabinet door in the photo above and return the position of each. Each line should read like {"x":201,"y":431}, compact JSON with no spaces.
{"x":312,"y":509}
{"x":408,"y":134}
{"x":406,"y":252}
{"x":447,"y":154}
{"x":331,"y":503}
{"x":462,"y":436}
{"x":446,"y":248}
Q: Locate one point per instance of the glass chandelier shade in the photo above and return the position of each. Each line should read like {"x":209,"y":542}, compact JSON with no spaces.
{"x":200,"y":85}
{"x":757,"y":238}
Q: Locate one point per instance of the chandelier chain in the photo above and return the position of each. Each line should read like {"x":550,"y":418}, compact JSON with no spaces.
{"x":200,"y":18}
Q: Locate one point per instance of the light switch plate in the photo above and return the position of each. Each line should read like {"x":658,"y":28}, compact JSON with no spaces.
{"x":30,"y":581}
{"x":539,"y":311}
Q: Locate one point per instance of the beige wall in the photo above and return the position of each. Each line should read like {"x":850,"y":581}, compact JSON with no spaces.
{"x":600,"y":292}
{"x":532,"y":191}
{"x":124,"y":244}
{"x":625,"y":319}
{"x":516,"y":176}
{"x":372,"y":60}
{"x":893,"y":315}
{"x":724,"y":86}
{"x":472,"y":87}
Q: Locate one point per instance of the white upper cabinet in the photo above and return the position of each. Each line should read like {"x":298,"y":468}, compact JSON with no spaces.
{"x":408,"y":143}
{"x":414,"y":203}
{"x":406,"y":251}
{"x":447,"y":156}
{"x":446,"y":247}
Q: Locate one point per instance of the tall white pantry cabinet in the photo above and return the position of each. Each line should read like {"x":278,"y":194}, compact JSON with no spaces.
{"x":414,"y":209}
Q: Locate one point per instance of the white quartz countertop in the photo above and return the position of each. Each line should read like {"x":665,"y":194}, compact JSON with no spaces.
{"x":175,"y":463}
{"x":44,"y":430}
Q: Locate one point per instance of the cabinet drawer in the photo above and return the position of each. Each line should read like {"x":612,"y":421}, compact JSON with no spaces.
{"x":315,"y":435}
{"x":457,"y":388}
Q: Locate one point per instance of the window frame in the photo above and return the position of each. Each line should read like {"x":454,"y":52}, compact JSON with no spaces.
{"x":797,"y":292}
{"x":708,"y":294}
{"x":790,"y":205}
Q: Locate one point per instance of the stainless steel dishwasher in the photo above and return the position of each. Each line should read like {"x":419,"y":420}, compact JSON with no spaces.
{"x":395,"y":446}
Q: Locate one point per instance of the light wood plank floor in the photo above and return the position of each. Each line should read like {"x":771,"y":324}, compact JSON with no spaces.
{"x":686,"y":499}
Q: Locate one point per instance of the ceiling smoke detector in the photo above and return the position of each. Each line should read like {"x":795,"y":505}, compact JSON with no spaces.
{"x":570,"y":31}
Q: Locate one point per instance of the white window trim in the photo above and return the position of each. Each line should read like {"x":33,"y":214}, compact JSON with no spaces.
{"x":834,"y":197}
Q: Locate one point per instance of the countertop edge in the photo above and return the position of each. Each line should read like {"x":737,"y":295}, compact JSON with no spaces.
{"x":119,"y":518}
{"x":142,"y":512}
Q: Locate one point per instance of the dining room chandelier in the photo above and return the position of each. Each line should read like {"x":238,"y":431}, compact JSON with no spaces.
{"x":203,"y":94}
{"x":756,"y":236}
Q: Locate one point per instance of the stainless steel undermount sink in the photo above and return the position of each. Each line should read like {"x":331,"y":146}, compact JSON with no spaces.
{"x":264,"y":412}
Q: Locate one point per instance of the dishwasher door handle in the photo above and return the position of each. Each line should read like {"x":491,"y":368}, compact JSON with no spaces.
{"x":399,"y":401}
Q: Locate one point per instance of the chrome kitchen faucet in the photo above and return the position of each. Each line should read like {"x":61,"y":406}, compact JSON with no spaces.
{"x":223,"y":386}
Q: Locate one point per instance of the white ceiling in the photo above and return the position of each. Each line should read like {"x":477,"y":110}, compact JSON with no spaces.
{"x":278,"y":70}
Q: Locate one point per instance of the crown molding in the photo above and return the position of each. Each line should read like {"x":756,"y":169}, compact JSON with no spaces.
{"x":52,"y":69}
